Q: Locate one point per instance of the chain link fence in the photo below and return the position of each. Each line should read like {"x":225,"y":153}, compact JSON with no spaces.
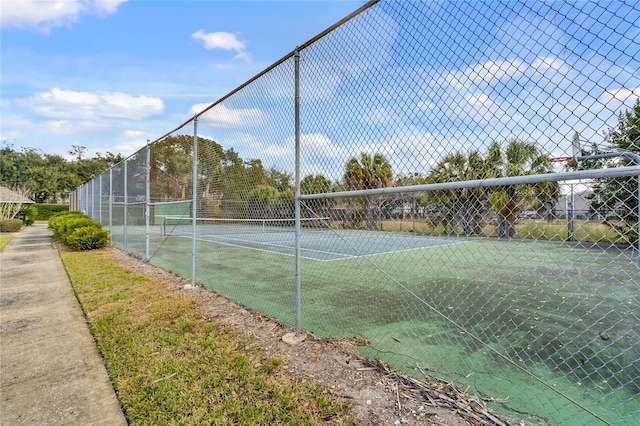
{"x":455,"y":182}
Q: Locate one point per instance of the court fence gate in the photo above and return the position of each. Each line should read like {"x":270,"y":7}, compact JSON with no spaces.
{"x":455,"y":182}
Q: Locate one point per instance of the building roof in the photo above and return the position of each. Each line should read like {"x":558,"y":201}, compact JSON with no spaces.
{"x":9,"y":196}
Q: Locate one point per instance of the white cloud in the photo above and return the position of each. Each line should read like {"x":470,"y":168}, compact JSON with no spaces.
{"x":483,"y":74}
{"x":44,"y":15}
{"x":58,"y":103}
{"x":623,"y":96}
{"x":244,"y":56}
{"x":134,"y":141}
{"x":198,"y":108}
{"x":219,"y":40}
{"x":224,"y":41}
{"x":317,"y":142}
{"x":489,"y":73}
{"x":14,"y":127}
{"x":408,"y":151}
{"x":137,"y":135}
{"x":478,"y":99}
{"x":221,"y":116}
{"x":311,"y":145}
{"x":71,"y":128}
{"x":320,"y":81}
{"x":319,"y":154}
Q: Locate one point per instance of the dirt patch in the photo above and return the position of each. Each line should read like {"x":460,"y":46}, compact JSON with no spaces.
{"x":378,"y":396}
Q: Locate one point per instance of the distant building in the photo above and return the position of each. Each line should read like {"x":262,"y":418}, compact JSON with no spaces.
{"x":581,"y":206}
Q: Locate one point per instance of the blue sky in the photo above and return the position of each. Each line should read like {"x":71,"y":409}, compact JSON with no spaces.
{"x":411,"y":80}
{"x":108,"y":75}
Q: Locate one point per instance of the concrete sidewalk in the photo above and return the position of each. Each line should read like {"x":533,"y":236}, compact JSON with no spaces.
{"x":50,"y":370}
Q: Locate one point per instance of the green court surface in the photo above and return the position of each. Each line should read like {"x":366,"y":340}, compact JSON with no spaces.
{"x":558,"y":322}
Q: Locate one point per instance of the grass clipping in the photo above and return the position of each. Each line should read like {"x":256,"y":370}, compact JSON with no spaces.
{"x":171,"y":366}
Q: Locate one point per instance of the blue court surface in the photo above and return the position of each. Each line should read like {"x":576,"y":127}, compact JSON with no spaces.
{"x":329,"y":244}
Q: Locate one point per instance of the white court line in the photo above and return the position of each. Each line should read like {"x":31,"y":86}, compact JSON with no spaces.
{"x":339,"y":256}
{"x":269,"y":251}
{"x":399,"y":251}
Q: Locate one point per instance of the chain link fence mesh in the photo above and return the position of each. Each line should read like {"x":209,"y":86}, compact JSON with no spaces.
{"x":455,"y":182}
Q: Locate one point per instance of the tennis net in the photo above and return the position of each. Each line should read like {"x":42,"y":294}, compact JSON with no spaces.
{"x":180,"y":225}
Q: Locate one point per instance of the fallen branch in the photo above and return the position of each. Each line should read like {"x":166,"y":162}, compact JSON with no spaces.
{"x":443,"y":394}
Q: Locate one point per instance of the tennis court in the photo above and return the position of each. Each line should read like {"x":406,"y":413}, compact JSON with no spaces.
{"x":317,"y":242}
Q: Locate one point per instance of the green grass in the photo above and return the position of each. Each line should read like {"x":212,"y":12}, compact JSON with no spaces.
{"x":4,"y":240}
{"x":171,"y":366}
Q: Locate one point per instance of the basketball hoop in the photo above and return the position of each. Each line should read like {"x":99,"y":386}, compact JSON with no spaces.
{"x":560,"y":159}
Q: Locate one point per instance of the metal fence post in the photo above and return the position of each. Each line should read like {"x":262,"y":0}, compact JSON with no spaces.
{"x":100,"y":199}
{"x":111,"y":205}
{"x":571,"y":214}
{"x":296,"y":56}
{"x":194,"y":201}
{"x":124,"y":207}
{"x":93,"y":195}
{"x":147,"y":210}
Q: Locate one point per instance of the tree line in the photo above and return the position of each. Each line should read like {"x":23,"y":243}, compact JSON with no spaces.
{"x":229,"y":186}
{"x":50,"y":178}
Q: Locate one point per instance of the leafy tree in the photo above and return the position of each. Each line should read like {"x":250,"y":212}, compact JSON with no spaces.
{"x":255,"y":175}
{"x":10,"y":170}
{"x":620,"y":195}
{"x":260,"y":199}
{"x":281,"y":180}
{"x":233,"y":183}
{"x":171,"y":167}
{"x":316,"y":184}
{"x":88,"y":168}
{"x":47,"y":178}
{"x":369,"y":172}
{"x":210,"y":155}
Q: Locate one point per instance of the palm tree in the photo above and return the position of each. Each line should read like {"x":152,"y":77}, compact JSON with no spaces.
{"x":369,"y":172}
{"x":518,"y":158}
{"x":465,"y":206}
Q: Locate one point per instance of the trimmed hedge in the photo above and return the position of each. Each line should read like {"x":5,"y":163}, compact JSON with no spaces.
{"x":78,"y":231}
{"x":10,"y":225}
{"x":46,"y":211}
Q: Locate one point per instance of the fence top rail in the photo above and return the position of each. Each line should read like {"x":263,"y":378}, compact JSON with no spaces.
{"x":478,"y":183}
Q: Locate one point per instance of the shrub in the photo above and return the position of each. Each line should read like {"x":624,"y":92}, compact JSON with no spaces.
{"x":87,"y":238}
{"x":10,"y":225}
{"x":27,"y":214}
{"x":56,"y":221}
{"x":72,"y":223}
{"x":78,"y":231}
{"x":46,"y":211}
